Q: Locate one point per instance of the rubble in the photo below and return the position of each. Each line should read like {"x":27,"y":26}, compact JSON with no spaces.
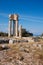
{"x":22,"y":54}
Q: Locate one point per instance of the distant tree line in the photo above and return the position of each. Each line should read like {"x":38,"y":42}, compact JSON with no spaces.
{"x":24,"y":33}
{"x":3,"y":34}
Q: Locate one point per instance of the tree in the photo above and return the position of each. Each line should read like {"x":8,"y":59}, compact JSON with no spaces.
{"x":42,"y":34}
{"x":26,"y":33}
{"x":3,"y":34}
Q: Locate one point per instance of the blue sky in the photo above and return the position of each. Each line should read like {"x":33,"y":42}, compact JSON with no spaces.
{"x":30,"y":14}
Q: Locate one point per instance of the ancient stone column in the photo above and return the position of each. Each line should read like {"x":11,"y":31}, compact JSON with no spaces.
{"x":14,"y":18}
{"x":13,"y":27}
{"x":9,"y":33}
{"x":16,"y":28}
{"x":20,"y":31}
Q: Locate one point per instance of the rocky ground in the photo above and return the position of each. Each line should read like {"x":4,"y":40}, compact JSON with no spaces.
{"x":22,"y":54}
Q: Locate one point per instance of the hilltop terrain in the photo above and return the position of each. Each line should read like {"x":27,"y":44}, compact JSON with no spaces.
{"x":24,"y":53}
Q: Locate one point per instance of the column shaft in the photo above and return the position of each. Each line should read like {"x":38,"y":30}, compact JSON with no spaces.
{"x":16,"y":28}
{"x":20,"y":31}
{"x":9,"y":34}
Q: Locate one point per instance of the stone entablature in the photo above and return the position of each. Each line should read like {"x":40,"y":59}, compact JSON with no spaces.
{"x":13,"y":17}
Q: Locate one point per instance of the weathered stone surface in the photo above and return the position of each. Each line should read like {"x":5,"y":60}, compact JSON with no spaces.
{"x":22,"y":54}
{"x":13,"y":18}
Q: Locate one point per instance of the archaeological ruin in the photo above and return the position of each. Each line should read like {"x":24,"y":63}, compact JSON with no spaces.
{"x":14,"y":18}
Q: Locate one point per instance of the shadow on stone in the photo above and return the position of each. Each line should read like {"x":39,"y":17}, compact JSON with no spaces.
{"x":21,"y":59}
{"x":3,"y":48}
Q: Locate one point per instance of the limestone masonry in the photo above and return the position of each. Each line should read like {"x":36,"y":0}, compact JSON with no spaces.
{"x":14,"y":18}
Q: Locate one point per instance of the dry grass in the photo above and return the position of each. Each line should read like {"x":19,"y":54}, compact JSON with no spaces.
{"x":24,"y":53}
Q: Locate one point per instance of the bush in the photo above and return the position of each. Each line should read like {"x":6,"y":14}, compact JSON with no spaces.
{"x":26,"y":33}
{"x":3,"y":34}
